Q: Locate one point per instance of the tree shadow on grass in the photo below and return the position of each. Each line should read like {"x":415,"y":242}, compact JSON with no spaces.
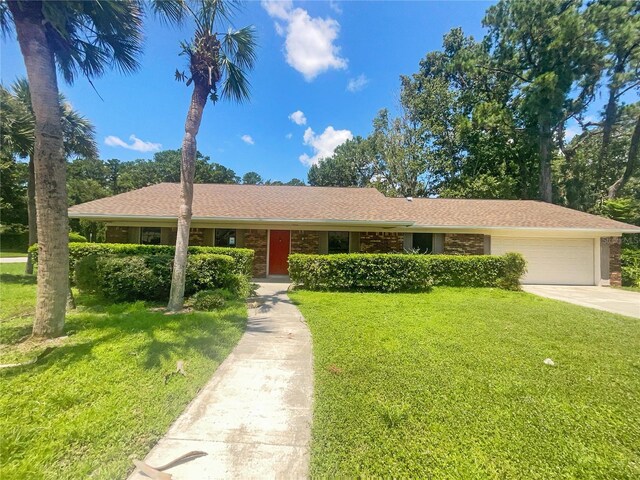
{"x":150,"y":336}
{"x":18,"y":279}
{"x":11,"y":333}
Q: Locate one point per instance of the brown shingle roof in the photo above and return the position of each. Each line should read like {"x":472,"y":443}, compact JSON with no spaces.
{"x":499,"y":213}
{"x":250,"y":202}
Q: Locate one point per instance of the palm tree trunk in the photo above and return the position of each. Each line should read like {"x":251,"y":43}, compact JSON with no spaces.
{"x":187,"y":172}
{"x":544,"y":150}
{"x":31,"y":211}
{"x":632,"y":160}
{"x":49,"y":168}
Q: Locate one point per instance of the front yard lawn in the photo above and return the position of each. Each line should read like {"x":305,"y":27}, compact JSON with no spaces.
{"x":9,"y":254}
{"x":104,"y":394}
{"x":453,"y":384}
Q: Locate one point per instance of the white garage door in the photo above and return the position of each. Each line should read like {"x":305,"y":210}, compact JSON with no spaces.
{"x":557,"y":261}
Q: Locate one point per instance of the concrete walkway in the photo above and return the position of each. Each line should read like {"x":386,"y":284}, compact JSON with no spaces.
{"x":608,"y":299}
{"x":253,"y":418}
{"x":13,"y":260}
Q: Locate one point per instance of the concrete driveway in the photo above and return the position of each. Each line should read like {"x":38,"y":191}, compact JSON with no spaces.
{"x":602,"y":298}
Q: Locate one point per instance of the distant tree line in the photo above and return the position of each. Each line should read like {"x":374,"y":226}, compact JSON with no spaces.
{"x":492,"y":118}
{"x":89,"y":178}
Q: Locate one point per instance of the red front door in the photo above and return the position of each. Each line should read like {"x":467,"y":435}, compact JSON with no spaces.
{"x":279,"y":252}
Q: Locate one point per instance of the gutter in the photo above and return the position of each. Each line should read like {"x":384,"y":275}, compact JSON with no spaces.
{"x":105,"y":217}
{"x":366,"y":223}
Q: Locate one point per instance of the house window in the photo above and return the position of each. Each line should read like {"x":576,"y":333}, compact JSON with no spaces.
{"x":338,"y":242}
{"x":225,"y":237}
{"x":423,"y":242}
{"x":150,"y":235}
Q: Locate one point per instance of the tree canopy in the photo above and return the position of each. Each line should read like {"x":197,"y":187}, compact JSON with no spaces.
{"x":514,"y":114}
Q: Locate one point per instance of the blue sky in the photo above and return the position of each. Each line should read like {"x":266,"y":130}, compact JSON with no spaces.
{"x":309,"y":54}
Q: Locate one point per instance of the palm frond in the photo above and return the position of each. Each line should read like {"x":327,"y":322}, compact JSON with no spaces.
{"x":5,"y":20}
{"x":212,"y":12}
{"x":241,"y":47}
{"x":20,"y":90}
{"x":18,"y":124}
{"x":89,"y":37}
{"x":17,"y":132}
{"x":170,"y":11}
{"x":235,"y":85}
{"x":78,"y":132}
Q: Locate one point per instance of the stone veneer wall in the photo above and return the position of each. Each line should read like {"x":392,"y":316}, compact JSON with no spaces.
{"x":615,"y":269}
{"x":117,"y":235}
{"x":381,"y":242}
{"x":304,"y":241}
{"x":463,"y":244}
{"x":257,"y":241}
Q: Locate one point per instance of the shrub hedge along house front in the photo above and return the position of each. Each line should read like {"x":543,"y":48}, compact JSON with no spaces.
{"x":243,"y":257}
{"x":148,"y":277}
{"x":402,"y":272}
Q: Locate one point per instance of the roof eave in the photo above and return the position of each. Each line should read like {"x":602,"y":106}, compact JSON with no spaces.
{"x":599,"y":230}
{"x":242,"y":220}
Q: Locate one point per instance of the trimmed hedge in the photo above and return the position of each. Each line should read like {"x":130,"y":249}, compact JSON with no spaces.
{"x":402,"y":272}
{"x":148,"y":277}
{"x":630,"y":262}
{"x":76,"y":238}
{"x":243,"y":257}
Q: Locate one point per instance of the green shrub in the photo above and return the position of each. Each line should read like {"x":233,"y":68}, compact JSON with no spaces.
{"x":355,"y":271}
{"x":630,"y":262}
{"x":398,"y":272}
{"x":148,"y":277}
{"x":207,"y":300}
{"x":14,"y":241}
{"x":243,"y":257}
{"x":207,"y":271}
{"x":76,"y":238}
{"x":476,"y":270}
{"x":239,"y":286}
{"x":86,"y":274}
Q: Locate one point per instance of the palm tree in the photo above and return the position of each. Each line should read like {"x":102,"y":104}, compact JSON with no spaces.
{"x":79,"y":38}
{"x":78,"y":139}
{"x":215,"y":59}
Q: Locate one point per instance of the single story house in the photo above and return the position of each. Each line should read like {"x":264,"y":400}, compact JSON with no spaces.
{"x":562,"y":246}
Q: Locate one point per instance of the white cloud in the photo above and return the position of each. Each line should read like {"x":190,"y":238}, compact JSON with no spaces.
{"x":309,"y":46}
{"x":358,"y":83}
{"x":335,"y":6}
{"x":298,"y":118}
{"x":278,"y":9}
{"x":136,"y":144}
{"x":247,"y":139}
{"x":324,"y":144}
{"x":289,"y":136}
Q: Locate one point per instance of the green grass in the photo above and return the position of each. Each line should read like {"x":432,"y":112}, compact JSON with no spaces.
{"x":100,"y":398}
{"x":6,"y":254}
{"x":452,"y":384}
{"x":632,"y":289}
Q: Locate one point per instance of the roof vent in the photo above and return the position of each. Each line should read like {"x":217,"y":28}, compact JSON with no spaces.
{"x":409,"y":199}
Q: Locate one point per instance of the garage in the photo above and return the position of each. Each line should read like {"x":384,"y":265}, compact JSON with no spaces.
{"x":552,"y":261}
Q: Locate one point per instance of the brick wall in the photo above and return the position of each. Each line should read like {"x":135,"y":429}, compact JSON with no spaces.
{"x":257,"y":241}
{"x":117,"y":235}
{"x":304,"y":241}
{"x":381,"y":242}
{"x":463,"y":244}
{"x":615,"y":270}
